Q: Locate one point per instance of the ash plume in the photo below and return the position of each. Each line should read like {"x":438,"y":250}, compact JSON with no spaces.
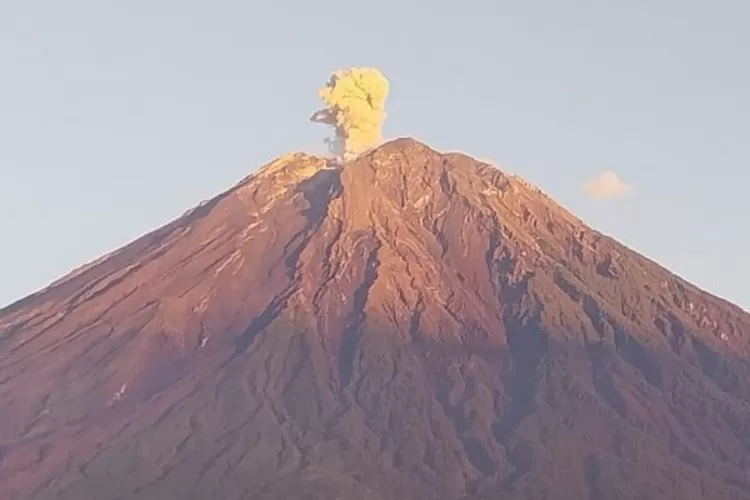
{"x":355,"y":107}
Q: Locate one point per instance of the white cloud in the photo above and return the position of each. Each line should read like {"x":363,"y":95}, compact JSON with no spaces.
{"x":606,"y":186}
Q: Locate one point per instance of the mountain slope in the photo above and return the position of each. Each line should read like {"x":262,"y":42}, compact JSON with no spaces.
{"x":412,"y":325}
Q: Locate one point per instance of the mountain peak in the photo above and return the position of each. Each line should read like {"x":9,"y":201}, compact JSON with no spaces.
{"x":405,"y":145}
{"x":408,"y":324}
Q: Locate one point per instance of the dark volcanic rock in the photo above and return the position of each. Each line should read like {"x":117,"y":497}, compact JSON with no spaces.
{"x":413,"y":325}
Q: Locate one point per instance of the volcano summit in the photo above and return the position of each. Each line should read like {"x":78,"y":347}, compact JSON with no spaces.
{"x":409,"y":325}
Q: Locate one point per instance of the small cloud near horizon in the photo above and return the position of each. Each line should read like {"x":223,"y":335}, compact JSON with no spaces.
{"x":606,"y":186}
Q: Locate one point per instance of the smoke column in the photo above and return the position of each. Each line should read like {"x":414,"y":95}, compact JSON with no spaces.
{"x":355,"y":107}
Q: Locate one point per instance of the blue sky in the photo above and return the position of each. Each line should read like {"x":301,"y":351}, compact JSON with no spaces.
{"x":116,"y":117}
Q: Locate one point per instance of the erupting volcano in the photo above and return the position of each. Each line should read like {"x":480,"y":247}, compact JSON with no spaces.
{"x":400,"y":324}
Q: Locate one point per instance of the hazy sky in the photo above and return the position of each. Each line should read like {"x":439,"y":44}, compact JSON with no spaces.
{"x":117,"y":116}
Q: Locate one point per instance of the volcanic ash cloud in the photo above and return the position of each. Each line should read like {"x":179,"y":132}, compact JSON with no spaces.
{"x":355,"y":108}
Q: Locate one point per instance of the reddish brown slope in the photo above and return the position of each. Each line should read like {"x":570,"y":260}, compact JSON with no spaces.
{"x":414,"y":325}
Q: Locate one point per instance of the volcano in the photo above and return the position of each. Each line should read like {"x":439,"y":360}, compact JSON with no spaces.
{"x":407,"y":325}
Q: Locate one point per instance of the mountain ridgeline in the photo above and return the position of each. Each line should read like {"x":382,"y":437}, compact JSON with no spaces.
{"x":408,"y":325}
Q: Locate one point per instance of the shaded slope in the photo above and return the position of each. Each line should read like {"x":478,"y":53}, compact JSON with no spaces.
{"x":414,"y":325}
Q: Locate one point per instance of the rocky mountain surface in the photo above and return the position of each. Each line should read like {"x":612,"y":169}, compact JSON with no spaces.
{"x":410,"y":325}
